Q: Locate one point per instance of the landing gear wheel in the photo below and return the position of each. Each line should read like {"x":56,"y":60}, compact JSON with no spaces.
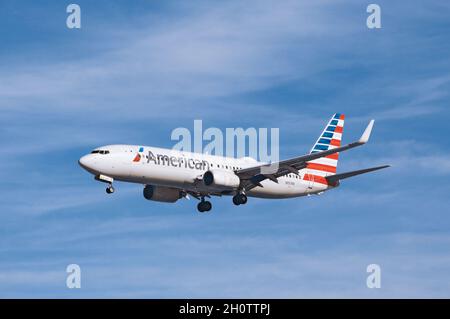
{"x":110,"y":189}
{"x":239,"y":199}
{"x":208,"y":206}
{"x":204,"y":206}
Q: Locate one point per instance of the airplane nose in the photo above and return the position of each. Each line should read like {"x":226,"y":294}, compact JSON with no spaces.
{"x":85,"y":162}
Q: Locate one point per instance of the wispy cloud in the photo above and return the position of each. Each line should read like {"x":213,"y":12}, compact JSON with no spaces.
{"x":206,"y":52}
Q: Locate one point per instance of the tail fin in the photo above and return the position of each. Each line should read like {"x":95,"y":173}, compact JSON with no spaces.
{"x":330,"y":138}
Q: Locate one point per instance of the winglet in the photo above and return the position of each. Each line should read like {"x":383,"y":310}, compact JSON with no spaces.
{"x":365,"y":136}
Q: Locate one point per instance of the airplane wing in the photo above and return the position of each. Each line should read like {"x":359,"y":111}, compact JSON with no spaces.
{"x":253,"y":176}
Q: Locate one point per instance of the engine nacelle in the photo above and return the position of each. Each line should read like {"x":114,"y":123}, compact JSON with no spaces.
{"x":162,"y":194}
{"x":221,"y":179}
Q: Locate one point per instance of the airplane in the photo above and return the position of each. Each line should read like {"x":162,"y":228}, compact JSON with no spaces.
{"x":169,"y":175}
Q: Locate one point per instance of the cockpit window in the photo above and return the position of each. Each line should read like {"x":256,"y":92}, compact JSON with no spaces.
{"x":100,"y":152}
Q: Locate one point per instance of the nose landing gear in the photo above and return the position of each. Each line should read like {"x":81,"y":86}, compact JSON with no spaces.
{"x":110,"y":189}
{"x":239,"y":199}
{"x":108,"y":180}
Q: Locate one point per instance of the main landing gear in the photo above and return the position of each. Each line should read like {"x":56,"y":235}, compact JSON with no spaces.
{"x":239,"y":199}
{"x":204,"y":205}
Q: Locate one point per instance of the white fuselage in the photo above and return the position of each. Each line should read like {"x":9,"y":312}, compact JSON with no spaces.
{"x":184,"y":170}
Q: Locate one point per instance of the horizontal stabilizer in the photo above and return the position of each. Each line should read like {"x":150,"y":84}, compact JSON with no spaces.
{"x":334,"y":178}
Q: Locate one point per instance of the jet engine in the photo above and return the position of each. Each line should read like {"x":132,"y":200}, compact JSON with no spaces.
{"x":221,"y":179}
{"x":162,"y":194}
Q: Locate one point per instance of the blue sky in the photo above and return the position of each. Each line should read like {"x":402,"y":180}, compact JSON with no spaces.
{"x":133,"y":73}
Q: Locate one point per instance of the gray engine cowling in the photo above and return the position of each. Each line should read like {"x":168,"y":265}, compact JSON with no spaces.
{"x":162,"y":194}
{"x":221,"y":179}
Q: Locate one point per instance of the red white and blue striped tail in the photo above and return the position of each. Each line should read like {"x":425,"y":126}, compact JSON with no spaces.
{"x":330,"y":138}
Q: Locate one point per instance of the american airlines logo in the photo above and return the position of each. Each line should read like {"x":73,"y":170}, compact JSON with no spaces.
{"x":174,"y":161}
{"x":138,"y":155}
